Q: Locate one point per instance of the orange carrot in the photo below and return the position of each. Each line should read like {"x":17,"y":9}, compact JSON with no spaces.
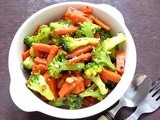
{"x":92,"y":100}
{"x":39,"y":68}
{"x":52,"y":84}
{"x":65,"y":30}
{"x":41,"y":47}
{"x":87,"y":82}
{"x":80,"y":50}
{"x":86,"y":102}
{"x":80,"y":58}
{"x":52,"y":53}
{"x":39,"y":60}
{"x":79,"y":86}
{"x":25,"y":54}
{"x":98,"y":22}
{"x":86,"y":10}
{"x":77,"y":73}
{"x":110,"y":75}
{"x":66,"y":88}
{"x":120,"y":61}
{"x":96,"y":35}
{"x":76,"y":16}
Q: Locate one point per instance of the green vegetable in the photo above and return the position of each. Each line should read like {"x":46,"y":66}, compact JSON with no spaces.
{"x":91,"y":71}
{"x":37,"y":83}
{"x":58,"y":102}
{"x":104,"y":34}
{"x":70,"y":43}
{"x":42,"y":37}
{"x":92,"y":91}
{"x":87,"y":29}
{"x":110,"y":43}
{"x":73,"y":101}
{"x":60,"y":24}
{"x":58,"y":64}
{"x":28,"y":63}
{"x":101,"y":57}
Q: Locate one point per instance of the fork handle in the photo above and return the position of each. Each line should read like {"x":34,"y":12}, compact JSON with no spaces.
{"x":135,"y":115}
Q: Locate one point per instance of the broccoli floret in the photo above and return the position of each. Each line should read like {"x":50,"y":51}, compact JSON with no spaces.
{"x":92,"y":72}
{"x":58,"y":102}
{"x":92,"y":91}
{"x":70,"y":43}
{"x":73,"y":101}
{"x":60,"y":24}
{"x":58,"y":64}
{"x":42,"y":37}
{"x":110,"y":43}
{"x":87,"y":29}
{"x":28,"y":63}
{"x":101,"y":57}
{"x":104,"y":34}
{"x":37,"y":83}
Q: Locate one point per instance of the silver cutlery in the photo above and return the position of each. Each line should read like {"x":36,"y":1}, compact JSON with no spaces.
{"x":134,"y":95}
{"x":150,"y":104}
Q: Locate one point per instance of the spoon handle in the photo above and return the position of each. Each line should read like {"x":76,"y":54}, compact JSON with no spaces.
{"x":109,"y":115}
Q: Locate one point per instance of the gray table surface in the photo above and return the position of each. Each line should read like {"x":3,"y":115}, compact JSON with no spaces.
{"x":142,"y":18}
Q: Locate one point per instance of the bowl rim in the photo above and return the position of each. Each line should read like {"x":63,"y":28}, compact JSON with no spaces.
{"x":85,"y":112}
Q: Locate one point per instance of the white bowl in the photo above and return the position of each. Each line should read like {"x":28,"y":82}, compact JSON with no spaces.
{"x":27,"y":101}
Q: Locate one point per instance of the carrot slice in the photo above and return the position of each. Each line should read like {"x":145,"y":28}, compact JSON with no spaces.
{"x":66,"y":88}
{"x":80,"y":50}
{"x":65,"y":30}
{"x":96,"y":35}
{"x":52,"y":54}
{"x":110,"y":75}
{"x":25,"y":54}
{"x":120,"y":61}
{"x":98,"y":22}
{"x":76,"y":16}
{"x":80,"y":58}
{"x":39,"y":68}
{"x":79,"y":86}
{"x":86,"y":10}
{"x":42,"y":47}
{"x":52,"y":84}
{"x":39,"y":60}
{"x":87,"y":82}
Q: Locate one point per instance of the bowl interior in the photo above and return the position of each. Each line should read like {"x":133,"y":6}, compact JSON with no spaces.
{"x":20,"y":93}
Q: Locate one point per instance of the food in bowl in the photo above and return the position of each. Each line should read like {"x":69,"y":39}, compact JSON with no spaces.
{"x":73,"y":62}
{"x":29,"y":102}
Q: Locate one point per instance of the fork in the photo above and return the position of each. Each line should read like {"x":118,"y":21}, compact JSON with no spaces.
{"x":150,"y":104}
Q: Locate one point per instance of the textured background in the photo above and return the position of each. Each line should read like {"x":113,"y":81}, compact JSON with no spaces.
{"x":142,"y":18}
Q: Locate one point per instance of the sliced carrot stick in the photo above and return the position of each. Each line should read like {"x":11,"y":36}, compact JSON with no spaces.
{"x":87,"y":82}
{"x":86,"y":10}
{"x":96,"y":35}
{"x":80,"y":58}
{"x":98,"y":22}
{"x":42,"y":47}
{"x":52,"y":84}
{"x":39,"y":60}
{"x":39,"y":68}
{"x":25,"y":54}
{"x":76,"y":16}
{"x":66,"y":89}
{"x":52,"y":54}
{"x":110,"y":75}
{"x":120,"y":61}
{"x":80,"y":50}
{"x":79,"y":86}
{"x":65,"y":30}
{"x":86,"y":102}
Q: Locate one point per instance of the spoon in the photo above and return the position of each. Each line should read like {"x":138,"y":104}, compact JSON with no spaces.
{"x":135,"y":94}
